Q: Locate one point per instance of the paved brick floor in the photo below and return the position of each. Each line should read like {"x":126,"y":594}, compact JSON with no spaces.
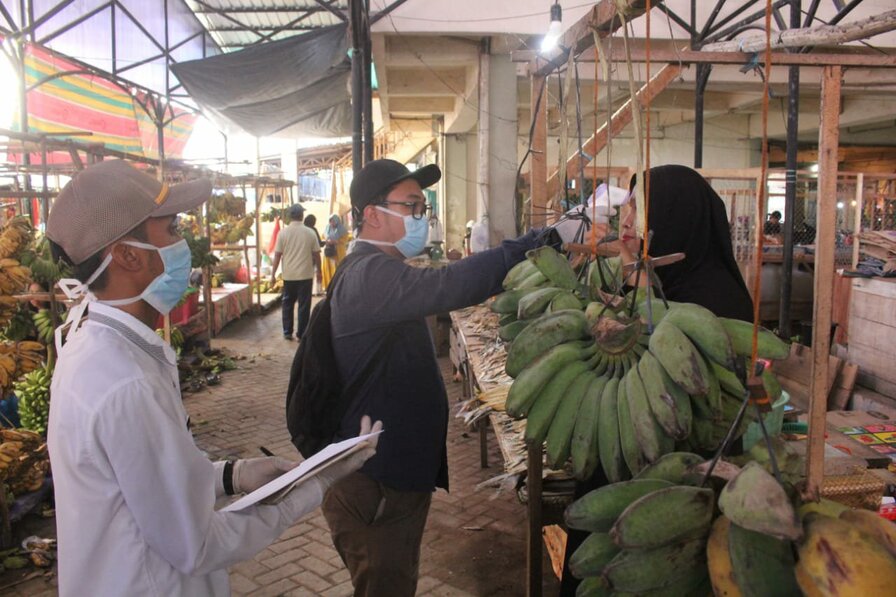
{"x":473,"y":544}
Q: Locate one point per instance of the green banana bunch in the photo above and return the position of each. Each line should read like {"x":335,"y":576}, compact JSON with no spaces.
{"x":648,"y":536}
{"x":43,"y":321}
{"x":518,"y":273}
{"x":20,"y":325}
{"x":769,"y":346}
{"x":541,"y":335}
{"x":601,"y":387}
{"x":554,"y":266}
{"x":33,"y":392}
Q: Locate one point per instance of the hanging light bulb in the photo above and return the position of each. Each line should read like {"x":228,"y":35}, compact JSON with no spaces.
{"x":554,"y":29}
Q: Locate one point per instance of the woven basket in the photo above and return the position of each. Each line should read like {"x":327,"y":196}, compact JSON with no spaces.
{"x":863,"y":490}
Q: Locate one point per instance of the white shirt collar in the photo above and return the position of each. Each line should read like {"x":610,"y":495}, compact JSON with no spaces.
{"x":137,"y":327}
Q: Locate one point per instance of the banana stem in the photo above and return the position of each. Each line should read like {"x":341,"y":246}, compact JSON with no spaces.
{"x":729,"y":437}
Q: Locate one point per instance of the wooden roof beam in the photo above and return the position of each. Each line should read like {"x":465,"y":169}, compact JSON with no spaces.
{"x":603,"y":18}
{"x":811,"y":36}
{"x":738,"y":58}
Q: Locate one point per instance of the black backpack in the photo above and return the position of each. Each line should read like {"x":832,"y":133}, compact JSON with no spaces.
{"x":316,"y":400}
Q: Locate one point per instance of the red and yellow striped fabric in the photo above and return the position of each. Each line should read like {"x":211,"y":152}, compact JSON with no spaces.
{"x":86,"y":102}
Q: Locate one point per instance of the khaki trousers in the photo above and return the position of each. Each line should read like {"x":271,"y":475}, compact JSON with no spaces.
{"x":377,"y":532}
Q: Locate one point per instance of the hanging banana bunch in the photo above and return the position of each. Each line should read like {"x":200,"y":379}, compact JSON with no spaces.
{"x":598,"y":389}
{"x":15,"y":236}
{"x":33,"y":391}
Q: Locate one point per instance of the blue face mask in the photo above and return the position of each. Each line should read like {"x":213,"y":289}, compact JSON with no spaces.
{"x":415,"y":234}
{"x":166,"y":290}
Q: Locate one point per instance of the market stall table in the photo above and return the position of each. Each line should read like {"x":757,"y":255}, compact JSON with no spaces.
{"x":480,"y":356}
{"x":229,"y":302}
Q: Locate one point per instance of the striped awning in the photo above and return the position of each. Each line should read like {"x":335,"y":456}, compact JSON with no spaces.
{"x":66,"y":98}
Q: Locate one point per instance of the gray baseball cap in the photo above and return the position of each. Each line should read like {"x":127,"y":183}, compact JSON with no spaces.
{"x":296,"y":211}
{"x":107,"y":200}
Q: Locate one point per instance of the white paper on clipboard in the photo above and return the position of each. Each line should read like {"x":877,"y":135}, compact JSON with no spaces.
{"x":279,"y":487}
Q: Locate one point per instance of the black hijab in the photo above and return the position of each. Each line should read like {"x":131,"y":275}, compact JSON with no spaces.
{"x":686,"y":215}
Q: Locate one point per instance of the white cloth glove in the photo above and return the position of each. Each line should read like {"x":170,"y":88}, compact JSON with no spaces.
{"x":252,"y":473}
{"x":576,"y":223}
{"x":364,"y":452}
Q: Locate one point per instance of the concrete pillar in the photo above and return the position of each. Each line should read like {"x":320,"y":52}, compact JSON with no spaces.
{"x":455,"y":175}
{"x":502,"y":125}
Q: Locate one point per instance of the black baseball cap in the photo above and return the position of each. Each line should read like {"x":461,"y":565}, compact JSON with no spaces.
{"x":377,"y":176}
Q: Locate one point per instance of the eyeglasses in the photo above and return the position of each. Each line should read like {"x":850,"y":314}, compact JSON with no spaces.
{"x":419,"y":209}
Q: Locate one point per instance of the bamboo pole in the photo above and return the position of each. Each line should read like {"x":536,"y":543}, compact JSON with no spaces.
{"x":828,"y":141}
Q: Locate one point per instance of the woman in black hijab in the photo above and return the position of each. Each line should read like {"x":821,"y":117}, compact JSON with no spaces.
{"x":687,"y":216}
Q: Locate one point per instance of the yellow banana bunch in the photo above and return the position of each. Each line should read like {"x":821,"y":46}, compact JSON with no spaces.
{"x":16,"y":235}
{"x":28,"y":439}
{"x":8,"y":368}
{"x":8,"y":307}
{"x":14,"y":276}
{"x":29,"y":356}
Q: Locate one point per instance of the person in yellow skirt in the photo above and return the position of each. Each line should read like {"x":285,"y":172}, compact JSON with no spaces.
{"x":335,"y":245}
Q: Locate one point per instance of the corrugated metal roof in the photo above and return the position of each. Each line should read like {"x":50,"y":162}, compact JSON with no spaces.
{"x":238,"y":23}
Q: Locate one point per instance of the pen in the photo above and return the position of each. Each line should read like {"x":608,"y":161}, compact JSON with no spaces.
{"x":265,"y":451}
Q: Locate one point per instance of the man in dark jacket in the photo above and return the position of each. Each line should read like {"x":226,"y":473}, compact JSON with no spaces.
{"x":379,"y":305}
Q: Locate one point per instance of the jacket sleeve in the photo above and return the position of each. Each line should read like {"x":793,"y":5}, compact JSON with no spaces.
{"x":169,"y":487}
{"x":395,"y":291}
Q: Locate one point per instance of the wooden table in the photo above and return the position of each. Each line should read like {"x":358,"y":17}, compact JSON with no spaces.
{"x":480,"y":357}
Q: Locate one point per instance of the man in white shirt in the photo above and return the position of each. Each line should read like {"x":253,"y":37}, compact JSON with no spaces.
{"x":298,"y":246}
{"x":135,"y":498}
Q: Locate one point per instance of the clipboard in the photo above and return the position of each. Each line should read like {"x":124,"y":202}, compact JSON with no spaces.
{"x":275,"y":490}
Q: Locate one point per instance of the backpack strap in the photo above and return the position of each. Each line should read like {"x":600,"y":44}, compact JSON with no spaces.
{"x":385,"y":345}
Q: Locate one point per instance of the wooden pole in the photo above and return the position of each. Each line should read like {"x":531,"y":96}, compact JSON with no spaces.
{"x":533,"y":538}
{"x":207,"y":281}
{"x":539,"y":169}
{"x":257,"y":247}
{"x":825,"y":238}
{"x":857,"y":214}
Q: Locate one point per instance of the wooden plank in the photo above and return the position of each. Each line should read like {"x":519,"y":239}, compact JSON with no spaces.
{"x":811,"y":36}
{"x":620,"y":119}
{"x":885,"y":287}
{"x":873,"y":308}
{"x":872,"y":361}
{"x":794,"y":374}
{"x":602,"y":17}
{"x":839,"y":396}
{"x":837,"y":461}
{"x":828,"y":141}
{"x":539,"y":169}
{"x":826,"y":58}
